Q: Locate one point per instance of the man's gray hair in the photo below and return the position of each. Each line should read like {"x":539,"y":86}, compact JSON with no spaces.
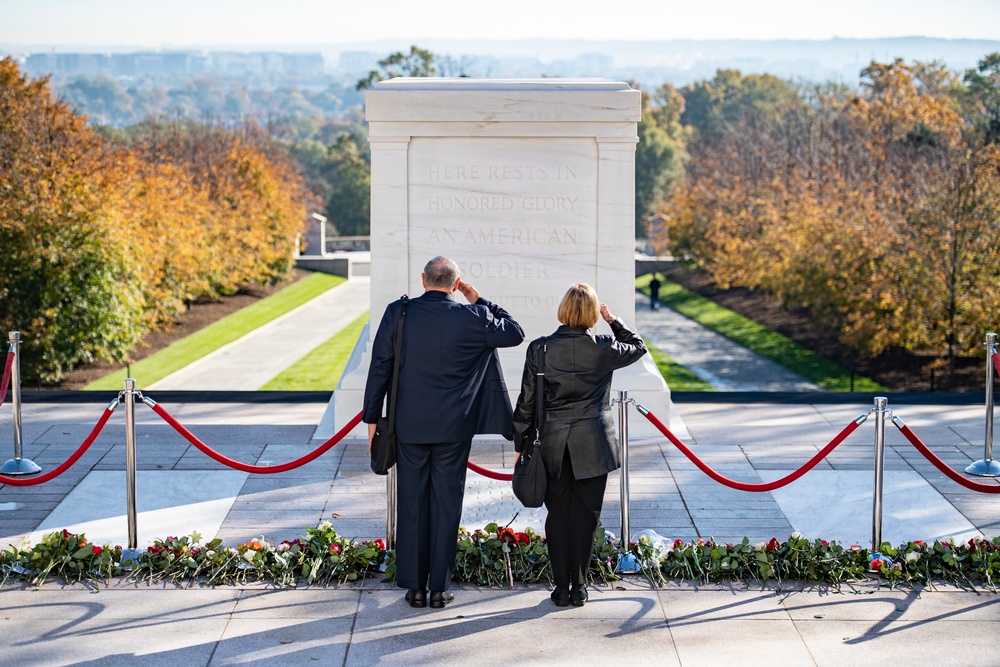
{"x":441,"y":272}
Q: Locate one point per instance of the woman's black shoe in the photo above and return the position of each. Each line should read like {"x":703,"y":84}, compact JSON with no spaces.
{"x":560,"y":596}
{"x":440,"y":598}
{"x":416,"y":598}
{"x":578,"y":596}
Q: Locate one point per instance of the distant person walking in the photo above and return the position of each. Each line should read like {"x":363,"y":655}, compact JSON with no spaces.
{"x":579,"y":444}
{"x":450,"y":388}
{"x":654,"y":293}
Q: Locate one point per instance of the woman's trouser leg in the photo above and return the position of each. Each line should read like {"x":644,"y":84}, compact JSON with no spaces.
{"x":558,"y":499}
{"x":587,"y":499}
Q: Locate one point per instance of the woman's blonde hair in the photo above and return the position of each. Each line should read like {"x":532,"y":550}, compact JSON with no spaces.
{"x":579,"y":308}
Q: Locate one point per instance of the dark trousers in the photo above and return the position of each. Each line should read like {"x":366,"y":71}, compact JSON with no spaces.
{"x":430,"y":487}
{"x":574,"y":510}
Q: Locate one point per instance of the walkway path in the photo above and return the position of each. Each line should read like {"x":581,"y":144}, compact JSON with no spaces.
{"x":250,"y":362}
{"x":720,"y":362}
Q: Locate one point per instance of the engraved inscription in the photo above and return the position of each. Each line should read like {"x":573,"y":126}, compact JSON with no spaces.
{"x":436,"y":203}
{"x":451,"y":172}
{"x":512,"y":301}
{"x":503,"y":236}
{"x":504,"y":270}
{"x":500,"y":172}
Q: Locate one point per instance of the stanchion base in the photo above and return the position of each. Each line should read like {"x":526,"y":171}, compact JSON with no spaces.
{"x":985,"y":468}
{"x":627,"y":564}
{"x":20,"y":467}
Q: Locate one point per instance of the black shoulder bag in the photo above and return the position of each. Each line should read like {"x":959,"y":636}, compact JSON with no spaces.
{"x":529,"y":478}
{"x":384,"y":442}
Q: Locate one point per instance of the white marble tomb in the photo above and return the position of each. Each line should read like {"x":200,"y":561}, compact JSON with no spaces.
{"x":527,"y":184}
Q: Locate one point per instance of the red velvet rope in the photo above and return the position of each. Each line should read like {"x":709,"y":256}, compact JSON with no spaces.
{"x":744,"y":486}
{"x":5,"y":380}
{"x":40,"y":479}
{"x":996,"y":361}
{"x":941,"y":465}
{"x":266,"y":470}
{"x":492,"y":474}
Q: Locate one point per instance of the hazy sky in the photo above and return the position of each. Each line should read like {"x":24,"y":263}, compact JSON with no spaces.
{"x":173,"y":23}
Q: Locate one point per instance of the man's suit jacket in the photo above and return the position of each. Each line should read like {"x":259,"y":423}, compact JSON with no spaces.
{"x":450,"y":383}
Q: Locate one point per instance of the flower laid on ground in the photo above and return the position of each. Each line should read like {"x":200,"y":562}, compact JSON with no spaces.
{"x":501,"y":556}
{"x":63,"y":554}
{"x":495,"y":556}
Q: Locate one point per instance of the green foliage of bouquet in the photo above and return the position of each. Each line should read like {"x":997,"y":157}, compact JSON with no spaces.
{"x":62,"y":554}
{"x":502,"y":557}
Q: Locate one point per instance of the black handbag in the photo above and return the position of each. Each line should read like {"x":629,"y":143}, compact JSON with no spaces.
{"x":384,"y":441}
{"x":529,"y":479}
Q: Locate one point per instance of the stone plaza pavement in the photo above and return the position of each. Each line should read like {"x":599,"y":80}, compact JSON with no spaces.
{"x":751,"y":437}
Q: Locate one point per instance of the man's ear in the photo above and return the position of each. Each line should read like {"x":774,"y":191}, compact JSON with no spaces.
{"x":423,"y":282}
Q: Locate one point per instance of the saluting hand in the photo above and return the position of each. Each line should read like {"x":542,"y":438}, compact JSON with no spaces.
{"x":606,"y":314}
{"x":468,"y":291}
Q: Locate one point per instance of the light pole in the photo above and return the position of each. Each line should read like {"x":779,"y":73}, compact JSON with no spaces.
{"x":322,"y":232}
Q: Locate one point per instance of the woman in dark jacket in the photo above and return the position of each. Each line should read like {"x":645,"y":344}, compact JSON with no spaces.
{"x":579,"y":444}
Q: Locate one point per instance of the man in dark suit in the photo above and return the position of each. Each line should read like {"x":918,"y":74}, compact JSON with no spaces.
{"x":450,"y":388}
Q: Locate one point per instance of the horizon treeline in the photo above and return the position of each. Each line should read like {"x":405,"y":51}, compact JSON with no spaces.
{"x":876,"y":208}
{"x":105,"y":239}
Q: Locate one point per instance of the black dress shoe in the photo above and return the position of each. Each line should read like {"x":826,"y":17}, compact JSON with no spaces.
{"x":578,"y":596}
{"x":440,"y":598}
{"x":560,"y":596}
{"x":416,"y":598}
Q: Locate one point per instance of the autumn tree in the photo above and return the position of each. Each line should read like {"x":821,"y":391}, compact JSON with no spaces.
{"x":711,"y":108}
{"x":349,"y":175}
{"x":105,"y":239}
{"x":984,"y":92}
{"x":875,"y":208}
{"x":65,"y":280}
{"x":660,"y":154}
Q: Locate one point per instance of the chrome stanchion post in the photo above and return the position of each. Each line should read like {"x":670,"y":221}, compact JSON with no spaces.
{"x":129,"y":397}
{"x":987,"y":467}
{"x":17,"y":465}
{"x":623,"y":478}
{"x":626,"y":562}
{"x":880,"y":410}
{"x":390,"y":509}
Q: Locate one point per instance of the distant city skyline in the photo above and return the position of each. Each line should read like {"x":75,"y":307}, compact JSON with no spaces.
{"x":232,"y":23}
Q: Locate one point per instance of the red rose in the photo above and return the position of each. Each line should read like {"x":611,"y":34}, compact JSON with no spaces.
{"x":97,"y":549}
{"x":774,"y":544}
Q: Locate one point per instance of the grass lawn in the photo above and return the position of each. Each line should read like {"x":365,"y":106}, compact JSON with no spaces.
{"x":320,"y":369}
{"x":187,"y":350}
{"x":760,"y":339}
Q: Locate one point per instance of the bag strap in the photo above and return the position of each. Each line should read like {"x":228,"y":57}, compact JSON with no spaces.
{"x":540,"y":395}
{"x":395,"y":363}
